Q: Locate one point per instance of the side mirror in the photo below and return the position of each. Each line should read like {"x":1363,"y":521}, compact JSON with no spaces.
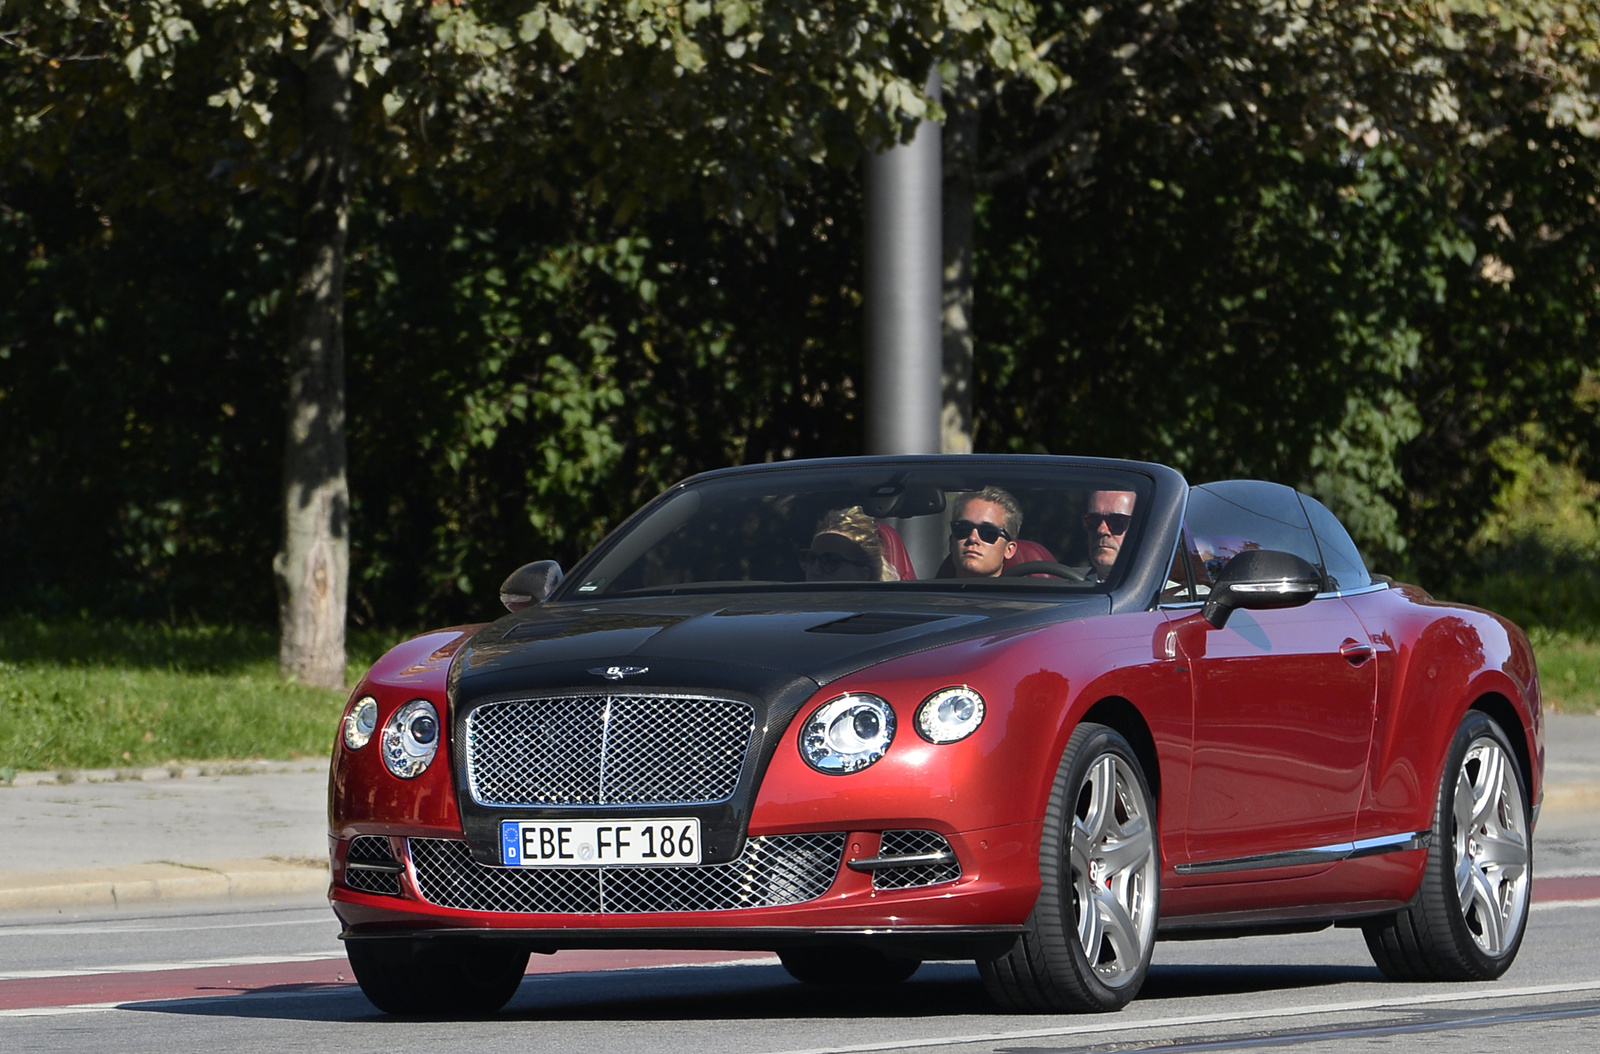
{"x":530,"y":584}
{"x":1259,"y":579}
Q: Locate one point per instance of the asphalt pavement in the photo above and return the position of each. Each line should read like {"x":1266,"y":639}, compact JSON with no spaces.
{"x":122,"y":837}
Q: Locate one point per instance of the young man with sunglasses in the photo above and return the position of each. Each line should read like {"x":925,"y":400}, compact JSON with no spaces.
{"x":1106,"y":522}
{"x":983,"y":532}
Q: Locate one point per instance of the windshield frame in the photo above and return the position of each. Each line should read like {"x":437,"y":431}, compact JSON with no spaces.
{"x":1161,"y":493}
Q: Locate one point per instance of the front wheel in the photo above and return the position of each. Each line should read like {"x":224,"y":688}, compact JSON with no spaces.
{"x":1087,"y":944}
{"x":437,"y":978}
{"x":1468,"y":921}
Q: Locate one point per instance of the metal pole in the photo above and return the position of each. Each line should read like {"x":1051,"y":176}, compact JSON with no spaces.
{"x":904,"y":293}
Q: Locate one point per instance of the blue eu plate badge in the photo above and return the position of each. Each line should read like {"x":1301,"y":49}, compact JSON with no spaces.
{"x":510,"y":843}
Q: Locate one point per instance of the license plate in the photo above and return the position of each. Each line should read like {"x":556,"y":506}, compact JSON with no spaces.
{"x":599,"y":843}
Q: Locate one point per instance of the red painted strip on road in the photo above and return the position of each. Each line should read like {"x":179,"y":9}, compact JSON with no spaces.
{"x":31,"y":992}
{"x":302,"y":975}
{"x":1576,"y":887}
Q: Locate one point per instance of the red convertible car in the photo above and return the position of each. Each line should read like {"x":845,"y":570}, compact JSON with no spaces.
{"x":1036,"y":712}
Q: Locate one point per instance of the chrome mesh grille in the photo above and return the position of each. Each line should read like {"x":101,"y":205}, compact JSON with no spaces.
{"x":371,"y":849}
{"x":911,"y":843}
{"x":784,"y":869}
{"x":607,"y":750}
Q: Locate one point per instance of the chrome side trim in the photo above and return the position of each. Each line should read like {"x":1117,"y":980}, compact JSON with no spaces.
{"x":875,"y":863}
{"x":388,"y":869}
{"x":1322,"y":854}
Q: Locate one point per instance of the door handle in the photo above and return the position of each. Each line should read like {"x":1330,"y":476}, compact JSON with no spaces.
{"x":1355,"y":652}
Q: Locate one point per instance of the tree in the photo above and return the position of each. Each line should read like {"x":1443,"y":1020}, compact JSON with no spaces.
{"x":470,"y":92}
{"x":1239,"y":218}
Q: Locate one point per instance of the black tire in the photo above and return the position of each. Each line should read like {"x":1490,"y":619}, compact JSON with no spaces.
{"x":1472,"y":910}
{"x":1087,"y":943}
{"x":436,"y":978}
{"x":856,"y":967}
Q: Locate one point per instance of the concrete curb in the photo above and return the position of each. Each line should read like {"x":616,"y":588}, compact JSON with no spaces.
{"x":98,"y":888}
{"x":156,"y":773}
{"x":1565,"y":799}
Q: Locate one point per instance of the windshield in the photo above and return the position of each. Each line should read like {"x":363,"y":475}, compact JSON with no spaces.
{"x":993,"y":524}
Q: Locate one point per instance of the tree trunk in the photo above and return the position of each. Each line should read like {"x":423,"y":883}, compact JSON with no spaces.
{"x":960,"y":166}
{"x":312,"y":569}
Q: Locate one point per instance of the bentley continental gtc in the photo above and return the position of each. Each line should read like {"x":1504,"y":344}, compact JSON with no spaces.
{"x":1033,"y":712}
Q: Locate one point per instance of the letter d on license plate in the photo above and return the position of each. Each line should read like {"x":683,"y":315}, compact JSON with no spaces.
{"x":599,"y":843}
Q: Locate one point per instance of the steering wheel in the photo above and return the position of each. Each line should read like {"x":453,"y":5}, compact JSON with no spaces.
{"x":1045,"y":567}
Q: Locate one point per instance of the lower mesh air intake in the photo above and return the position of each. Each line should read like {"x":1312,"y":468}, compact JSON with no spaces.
{"x":773,"y":871}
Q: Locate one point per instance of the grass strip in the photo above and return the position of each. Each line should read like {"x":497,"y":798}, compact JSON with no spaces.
{"x":89,"y":694}
{"x":92,"y":694}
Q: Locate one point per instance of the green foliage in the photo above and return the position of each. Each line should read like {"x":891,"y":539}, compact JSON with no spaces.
{"x":596,"y":247}
{"x":105,"y":694}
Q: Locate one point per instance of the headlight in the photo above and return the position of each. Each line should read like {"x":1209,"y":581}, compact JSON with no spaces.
{"x":950,"y":714}
{"x":847,"y":734}
{"x":360,"y":722}
{"x":411,"y":739}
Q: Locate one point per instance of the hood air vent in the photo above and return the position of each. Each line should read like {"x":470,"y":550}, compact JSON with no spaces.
{"x":870,"y":622}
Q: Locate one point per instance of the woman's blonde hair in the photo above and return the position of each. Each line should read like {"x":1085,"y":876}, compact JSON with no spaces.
{"x":854,"y":523}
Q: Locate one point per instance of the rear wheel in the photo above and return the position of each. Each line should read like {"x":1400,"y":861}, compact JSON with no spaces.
{"x":1087,"y":943}
{"x":437,"y":978}
{"x":856,"y":967}
{"x":1468,"y":921}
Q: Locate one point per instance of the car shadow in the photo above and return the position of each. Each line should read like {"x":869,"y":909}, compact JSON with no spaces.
{"x":747,"y":992}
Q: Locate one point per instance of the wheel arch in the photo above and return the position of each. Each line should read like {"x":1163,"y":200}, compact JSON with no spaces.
{"x":1499,"y":709}
{"x":1118,"y":713}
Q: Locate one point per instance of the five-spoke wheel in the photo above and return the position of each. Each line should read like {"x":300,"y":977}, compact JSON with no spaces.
{"x":1469,"y":921}
{"x":1088,"y":941}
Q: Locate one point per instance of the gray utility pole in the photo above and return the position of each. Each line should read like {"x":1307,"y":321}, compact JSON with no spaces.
{"x":904,"y":294}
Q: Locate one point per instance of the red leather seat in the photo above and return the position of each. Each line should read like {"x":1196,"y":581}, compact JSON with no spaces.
{"x":894,"y":552}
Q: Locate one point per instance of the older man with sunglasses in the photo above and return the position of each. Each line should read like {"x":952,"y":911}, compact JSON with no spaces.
{"x":1106,"y":522}
{"x":983,"y":532}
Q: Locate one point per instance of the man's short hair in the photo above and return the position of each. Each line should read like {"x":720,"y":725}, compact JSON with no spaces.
{"x":998,"y":497}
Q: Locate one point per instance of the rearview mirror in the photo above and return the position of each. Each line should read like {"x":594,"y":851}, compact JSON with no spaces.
{"x":530,"y":584}
{"x":1259,"y":579}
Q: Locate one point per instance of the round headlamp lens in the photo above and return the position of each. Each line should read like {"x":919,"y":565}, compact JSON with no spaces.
{"x":360,"y":721}
{"x":847,"y":734}
{"x":411,"y":739}
{"x":950,"y":715}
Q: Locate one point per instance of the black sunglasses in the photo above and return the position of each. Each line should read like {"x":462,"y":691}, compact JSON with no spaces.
{"x":828,"y":563}
{"x":989,"y":533}
{"x":1116,"y":521}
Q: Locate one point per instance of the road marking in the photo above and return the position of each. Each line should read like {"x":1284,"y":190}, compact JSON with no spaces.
{"x":190,"y":964}
{"x":185,"y":925}
{"x":58,"y":1011}
{"x":1392,"y":1028}
{"x":1119,"y":1025}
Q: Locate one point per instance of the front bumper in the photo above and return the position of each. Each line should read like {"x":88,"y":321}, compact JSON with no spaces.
{"x":786,"y":890}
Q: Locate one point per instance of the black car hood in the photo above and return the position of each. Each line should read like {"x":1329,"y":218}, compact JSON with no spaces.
{"x":773,"y":652}
{"x":817,"y":636}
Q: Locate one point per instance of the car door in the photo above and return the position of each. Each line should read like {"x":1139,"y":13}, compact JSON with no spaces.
{"x":1283,"y":700}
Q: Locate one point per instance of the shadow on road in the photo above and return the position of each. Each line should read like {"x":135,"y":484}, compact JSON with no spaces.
{"x":743,"y":992}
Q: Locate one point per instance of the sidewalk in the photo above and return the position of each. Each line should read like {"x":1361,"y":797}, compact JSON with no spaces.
{"x":114,"y":838}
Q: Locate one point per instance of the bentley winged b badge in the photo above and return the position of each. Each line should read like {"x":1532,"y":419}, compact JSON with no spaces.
{"x":617,"y":673}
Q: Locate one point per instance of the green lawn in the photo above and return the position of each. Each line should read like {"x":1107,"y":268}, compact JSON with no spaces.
{"x":91,"y":694}
{"x":77,"y":695}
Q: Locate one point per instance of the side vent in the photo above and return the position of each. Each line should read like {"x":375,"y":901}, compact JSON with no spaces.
{"x":371,"y":868}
